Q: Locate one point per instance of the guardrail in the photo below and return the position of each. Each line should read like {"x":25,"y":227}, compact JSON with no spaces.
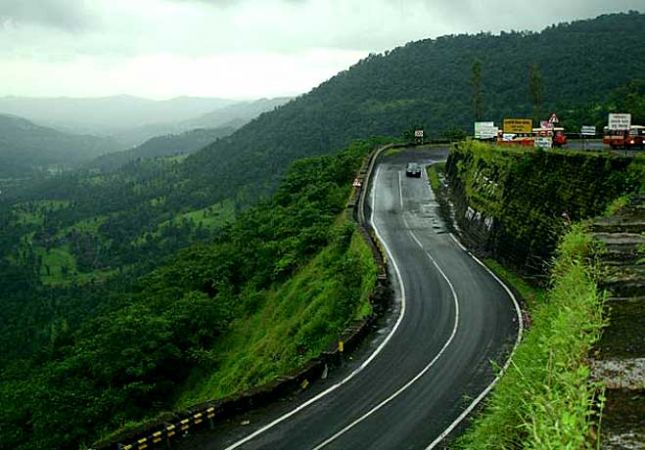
{"x":171,"y":426}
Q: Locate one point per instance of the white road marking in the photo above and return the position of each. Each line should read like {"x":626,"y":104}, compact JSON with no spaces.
{"x":486,"y":391}
{"x":430,"y":364}
{"x":363,"y":365}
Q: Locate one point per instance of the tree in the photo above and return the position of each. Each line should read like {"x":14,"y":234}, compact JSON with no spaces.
{"x":476,"y":81}
{"x":536,"y":90}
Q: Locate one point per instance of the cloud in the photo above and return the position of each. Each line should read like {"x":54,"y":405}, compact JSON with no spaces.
{"x":69,"y":15}
{"x":119,"y":39}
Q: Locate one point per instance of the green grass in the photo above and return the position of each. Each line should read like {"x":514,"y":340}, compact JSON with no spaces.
{"x":433,"y":172}
{"x":290,"y":324}
{"x":32,"y":213}
{"x":61,"y":264}
{"x":213,"y":216}
{"x":63,"y":270}
{"x":616,"y":205}
{"x":532,"y":295}
{"x":545,"y":400}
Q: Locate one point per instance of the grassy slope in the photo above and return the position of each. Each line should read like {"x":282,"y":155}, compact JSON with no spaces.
{"x":545,"y":400}
{"x":300,"y":313}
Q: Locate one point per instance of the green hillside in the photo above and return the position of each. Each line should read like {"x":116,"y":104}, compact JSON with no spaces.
{"x":108,"y":353}
{"x":27,"y":149}
{"x":172,"y":144}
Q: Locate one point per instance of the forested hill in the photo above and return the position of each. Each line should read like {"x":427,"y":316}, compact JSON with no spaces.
{"x":26,"y":148}
{"x":172,"y":144}
{"x":427,"y":83}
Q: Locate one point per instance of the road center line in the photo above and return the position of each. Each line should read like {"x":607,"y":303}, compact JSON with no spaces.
{"x":431,"y":363}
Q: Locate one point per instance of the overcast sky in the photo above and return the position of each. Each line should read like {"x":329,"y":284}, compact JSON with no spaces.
{"x":234,"y":48}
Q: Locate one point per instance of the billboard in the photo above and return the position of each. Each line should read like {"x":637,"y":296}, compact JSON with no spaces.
{"x":620,"y":121}
{"x":543,"y":142}
{"x":518,"y":126}
{"x":485,"y":130}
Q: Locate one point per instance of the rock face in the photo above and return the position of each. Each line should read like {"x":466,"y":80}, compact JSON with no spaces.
{"x":620,"y":355}
{"x":515,"y":203}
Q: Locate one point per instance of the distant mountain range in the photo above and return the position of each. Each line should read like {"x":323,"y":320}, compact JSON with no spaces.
{"x":26,"y":148}
{"x":172,"y":144}
{"x":132,"y":120}
{"x":106,"y":114}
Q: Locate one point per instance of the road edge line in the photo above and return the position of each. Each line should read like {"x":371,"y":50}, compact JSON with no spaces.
{"x":520,"y":331}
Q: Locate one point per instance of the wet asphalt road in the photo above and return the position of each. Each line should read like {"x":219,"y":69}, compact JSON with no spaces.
{"x":450,"y":320}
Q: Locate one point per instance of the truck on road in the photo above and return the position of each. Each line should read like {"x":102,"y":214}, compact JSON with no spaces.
{"x":627,"y":139}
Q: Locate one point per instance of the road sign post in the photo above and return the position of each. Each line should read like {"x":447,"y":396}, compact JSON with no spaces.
{"x":585,"y":131}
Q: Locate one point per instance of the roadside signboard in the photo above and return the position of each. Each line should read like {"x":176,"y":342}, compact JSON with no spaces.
{"x":588,"y":130}
{"x":485,"y":130}
{"x":508,"y":137}
{"x":546,"y":125}
{"x":554,"y":118}
{"x":543,"y":142}
{"x":620,"y":121}
{"x":418,"y":133}
{"x":518,"y":126}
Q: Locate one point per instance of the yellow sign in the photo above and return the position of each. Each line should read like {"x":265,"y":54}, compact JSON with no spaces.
{"x":518,"y":126}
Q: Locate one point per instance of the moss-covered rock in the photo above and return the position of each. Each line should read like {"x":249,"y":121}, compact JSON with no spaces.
{"x":514,"y":203}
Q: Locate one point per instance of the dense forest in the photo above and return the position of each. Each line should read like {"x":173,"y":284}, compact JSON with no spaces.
{"x":111,"y":280}
{"x":104,"y":354}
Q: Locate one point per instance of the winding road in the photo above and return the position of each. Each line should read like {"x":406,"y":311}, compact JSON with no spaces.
{"x":428,"y":366}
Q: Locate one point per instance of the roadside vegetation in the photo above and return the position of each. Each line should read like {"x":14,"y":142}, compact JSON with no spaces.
{"x":269,"y":291}
{"x":545,"y":400}
{"x":433,"y":172}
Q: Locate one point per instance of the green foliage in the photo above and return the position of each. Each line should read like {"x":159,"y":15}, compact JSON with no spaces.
{"x":532,"y":295}
{"x":536,"y":90}
{"x":291,"y":322}
{"x":104,"y":356}
{"x":545,"y":400}
{"x":532,"y":195}
{"x":433,"y":177}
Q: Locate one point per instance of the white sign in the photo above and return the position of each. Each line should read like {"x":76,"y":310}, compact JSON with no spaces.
{"x":508,"y":137}
{"x":418,"y":133}
{"x":546,"y":125}
{"x":554,"y":118}
{"x":620,"y":121}
{"x":588,"y":130}
{"x":543,"y":142}
{"x":485,"y":130}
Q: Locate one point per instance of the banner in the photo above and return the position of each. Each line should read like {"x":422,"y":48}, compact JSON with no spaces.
{"x":518,"y":126}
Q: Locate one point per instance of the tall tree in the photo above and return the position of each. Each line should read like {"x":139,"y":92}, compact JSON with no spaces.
{"x":536,"y":90}
{"x":476,"y":81}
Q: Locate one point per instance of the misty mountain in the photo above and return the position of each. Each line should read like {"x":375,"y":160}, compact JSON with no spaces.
{"x":231,"y":116}
{"x":107,"y":115}
{"x":236,"y":115}
{"x":27,"y":148}
{"x":172,"y":144}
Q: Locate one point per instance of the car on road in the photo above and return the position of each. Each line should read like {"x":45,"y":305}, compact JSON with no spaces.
{"x":413,"y":170}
